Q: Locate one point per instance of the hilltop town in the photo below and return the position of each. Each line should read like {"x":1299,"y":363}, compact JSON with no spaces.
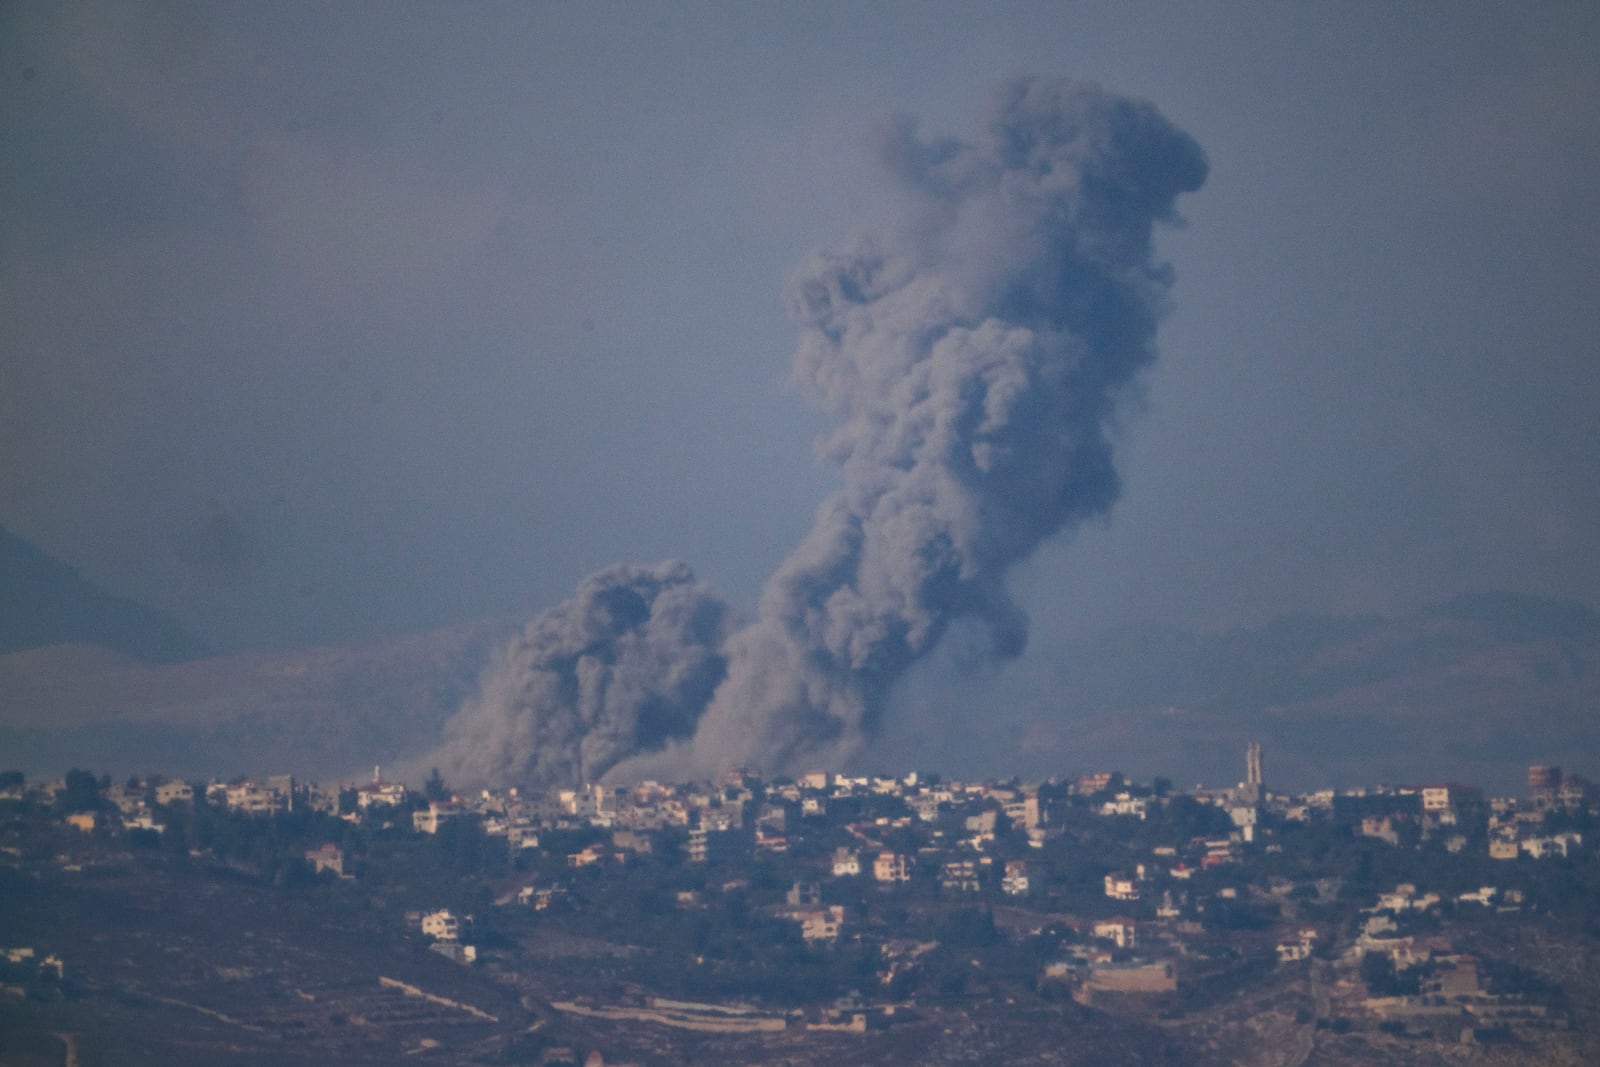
{"x":826,"y":918}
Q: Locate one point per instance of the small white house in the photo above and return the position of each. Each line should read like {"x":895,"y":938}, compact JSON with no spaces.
{"x":441,"y":926}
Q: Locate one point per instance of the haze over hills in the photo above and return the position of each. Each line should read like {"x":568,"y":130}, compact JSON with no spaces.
{"x":1309,"y":657}
{"x":327,"y":712}
{"x":43,"y":601}
{"x":1473,"y":688}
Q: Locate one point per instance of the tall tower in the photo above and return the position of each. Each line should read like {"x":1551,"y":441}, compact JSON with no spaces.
{"x":1249,"y":791}
{"x":1544,"y":783}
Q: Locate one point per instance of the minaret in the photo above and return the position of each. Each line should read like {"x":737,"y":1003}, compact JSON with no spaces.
{"x":1250,"y":790}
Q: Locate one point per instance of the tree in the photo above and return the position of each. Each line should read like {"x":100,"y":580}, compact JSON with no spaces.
{"x":964,"y":929}
{"x":463,"y":847}
{"x":1378,"y":971}
{"x":81,"y":792}
{"x":435,"y":789}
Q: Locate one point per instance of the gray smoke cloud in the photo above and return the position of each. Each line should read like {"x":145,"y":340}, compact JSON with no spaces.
{"x":626,"y":665}
{"x":975,"y":351}
{"x":976,"y":354}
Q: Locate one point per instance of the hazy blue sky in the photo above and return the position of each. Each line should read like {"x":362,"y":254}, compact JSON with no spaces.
{"x":325,"y":321}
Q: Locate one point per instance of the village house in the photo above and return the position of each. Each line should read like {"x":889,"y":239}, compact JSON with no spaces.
{"x":176,"y":791}
{"x":1377,"y":925}
{"x":329,"y":857}
{"x":1126,"y":804}
{"x":143,"y":819}
{"x":253,"y":798}
{"x":1454,"y":979}
{"x":820,"y":924}
{"x":541,"y":899}
{"x":1119,"y":930}
{"x":127,"y":801}
{"x":1015,"y":882}
{"x":1575,"y":792}
{"x":1121,"y":887}
{"x":773,"y":818}
{"x":639,"y":842}
{"x":429,"y":819}
{"x":1089,"y":784}
{"x":1134,"y":976}
{"x":1404,"y":898}
{"x":1443,"y":805}
{"x":891,"y":867}
{"x":591,"y":855}
{"x":771,"y":841}
{"x":1381,"y":827}
{"x":1298,"y":949}
{"x":846,"y":863}
{"x":718,"y":820}
{"x":1555,"y":845}
{"x":804,"y":895}
{"x":441,"y":925}
{"x":378,"y":793}
{"x":960,"y":876}
{"x":1025,"y":813}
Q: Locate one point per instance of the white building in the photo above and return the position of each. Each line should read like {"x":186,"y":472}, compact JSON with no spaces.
{"x":441,"y":926}
{"x":891,"y":867}
{"x":176,"y":791}
{"x":1121,"y":887}
{"x":1126,"y":804}
{"x":1015,"y":883}
{"x":1120,"y":931}
{"x":433,"y":816}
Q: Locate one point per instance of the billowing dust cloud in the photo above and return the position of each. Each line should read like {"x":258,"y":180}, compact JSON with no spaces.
{"x":623,"y":667}
{"x":975,"y":351}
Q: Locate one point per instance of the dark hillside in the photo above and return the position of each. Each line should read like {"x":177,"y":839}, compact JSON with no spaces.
{"x":43,"y":602}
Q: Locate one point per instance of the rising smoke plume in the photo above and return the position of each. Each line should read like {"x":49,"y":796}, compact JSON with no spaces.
{"x":975,"y":352}
{"x":625,"y":666}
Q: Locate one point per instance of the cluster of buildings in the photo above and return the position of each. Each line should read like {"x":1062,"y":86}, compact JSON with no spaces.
{"x":22,"y":968}
{"x":1433,"y":985}
{"x":992,"y":843}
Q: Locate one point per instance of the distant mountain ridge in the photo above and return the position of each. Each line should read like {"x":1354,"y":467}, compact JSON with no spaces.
{"x":1302,"y":657}
{"x":323,"y":712}
{"x":1475,"y":687}
{"x":44,"y":602}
